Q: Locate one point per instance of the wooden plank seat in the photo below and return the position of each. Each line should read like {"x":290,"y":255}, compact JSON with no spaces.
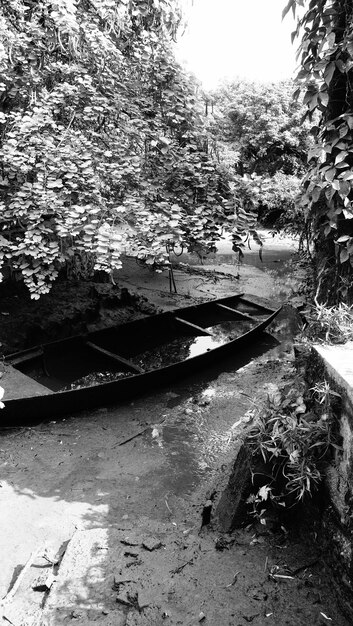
{"x":115,"y":357}
{"x":239,"y":314}
{"x":199,"y":329}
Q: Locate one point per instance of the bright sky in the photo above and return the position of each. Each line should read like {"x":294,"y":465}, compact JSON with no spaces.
{"x":237,"y":38}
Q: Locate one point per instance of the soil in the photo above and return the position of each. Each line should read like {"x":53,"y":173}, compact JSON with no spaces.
{"x":70,"y":308}
{"x":132,"y":487}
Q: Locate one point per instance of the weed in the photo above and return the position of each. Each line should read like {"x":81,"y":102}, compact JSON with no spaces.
{"x":293,"y":442}
{"x":331,"y":324}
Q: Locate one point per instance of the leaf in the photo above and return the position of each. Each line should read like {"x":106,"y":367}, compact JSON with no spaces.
{"x":301,"y":409}
{"x":323,"y":98}
{"x":343,"y":239}
{"x":344,"y":188}
{"x":330,"y":174}
{"x":290,"y":5}
{"x":329,"y":72}
{"x":341,"y":66}
{"x":344,"y":256}
{"x":294,"y":456}
{"x":316,"y":194}
{"x":274,"y":395}
{"x":264,"y":492}
{"x":341,"y":157}
{"x":53,"y":184}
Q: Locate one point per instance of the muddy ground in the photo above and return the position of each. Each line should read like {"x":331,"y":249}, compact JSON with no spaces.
{"x":127,"y":485}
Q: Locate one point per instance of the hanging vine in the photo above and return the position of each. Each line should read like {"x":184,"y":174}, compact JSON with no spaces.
{"x":325,"y":81}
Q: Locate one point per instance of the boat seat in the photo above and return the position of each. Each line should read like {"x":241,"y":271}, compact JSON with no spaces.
{"x":239,"y":314}
{"x":199,"y":329}
{"x":115,"y":357}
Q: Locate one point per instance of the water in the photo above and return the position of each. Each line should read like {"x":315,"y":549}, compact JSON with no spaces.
{"x":276,"y":252}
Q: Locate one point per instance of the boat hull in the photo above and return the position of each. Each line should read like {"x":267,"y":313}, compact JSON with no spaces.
{"x":22,"y":411}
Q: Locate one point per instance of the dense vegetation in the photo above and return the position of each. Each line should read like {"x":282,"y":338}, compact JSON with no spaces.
{"x":325,"y":80}
{"x":262,"y":140}
{"x":103,"y":146}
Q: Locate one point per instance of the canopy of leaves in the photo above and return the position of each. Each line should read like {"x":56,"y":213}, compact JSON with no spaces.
{"x":264,"y":143}
{"x":262,"y":123}
{"x":103,"y":146}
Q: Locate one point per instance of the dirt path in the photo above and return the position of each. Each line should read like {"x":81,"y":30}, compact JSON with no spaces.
{"x":132,"y":510}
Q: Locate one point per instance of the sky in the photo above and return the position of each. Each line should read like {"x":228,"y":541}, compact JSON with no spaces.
{"x":237,"y":38}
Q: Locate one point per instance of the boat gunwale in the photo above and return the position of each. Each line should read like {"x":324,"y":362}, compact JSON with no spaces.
{"x":62,"y":402}
{"x":147,"y":319}
{"x":243,"y":337}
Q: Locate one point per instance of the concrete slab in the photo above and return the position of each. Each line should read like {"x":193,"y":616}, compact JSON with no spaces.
{"x":18,"y":385}
{"x":338,"y":362}
{"x":83,"y":589}
{"x":335,"y":364}
{"x":22,"y":605}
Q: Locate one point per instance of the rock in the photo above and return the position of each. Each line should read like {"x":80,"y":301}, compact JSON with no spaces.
{"x":249,"y":616}
{"x":122,"y":598}
{"x":152,"y":543}
{"x":202,"y":616}
{"x":130,"y":541}
{"x":44,"y":582}
{"x":233,"y":487}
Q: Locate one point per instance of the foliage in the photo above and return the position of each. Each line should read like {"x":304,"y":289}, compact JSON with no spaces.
{"x":103,"y":146}
{"x":262,"y":124}
{"x":263,"y":140}
{"x":293,"y":442}
{"x":278,"y":202}
{"x":332,"y":324}
{"x":325,"y":80}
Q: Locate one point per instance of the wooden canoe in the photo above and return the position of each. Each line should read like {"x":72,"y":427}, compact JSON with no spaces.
{"x":135,"y":357}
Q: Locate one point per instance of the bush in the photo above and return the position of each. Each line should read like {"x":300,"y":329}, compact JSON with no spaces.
{"x":293,"y":442}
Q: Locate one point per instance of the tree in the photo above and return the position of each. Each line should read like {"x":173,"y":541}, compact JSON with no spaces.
{"x":263,"y":124}
{"x":103,"y":146}
{"x":264,"y":144}
{"x":325,"y":79}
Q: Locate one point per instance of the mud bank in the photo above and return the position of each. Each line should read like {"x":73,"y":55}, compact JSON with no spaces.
{"x":116,"y":480}
{"x":80,"y":475}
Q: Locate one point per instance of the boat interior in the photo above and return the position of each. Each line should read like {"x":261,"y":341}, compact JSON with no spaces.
{"x":141,"y":345}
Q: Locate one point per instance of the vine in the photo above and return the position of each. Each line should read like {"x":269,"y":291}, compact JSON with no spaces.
{"x":325,"y":80}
